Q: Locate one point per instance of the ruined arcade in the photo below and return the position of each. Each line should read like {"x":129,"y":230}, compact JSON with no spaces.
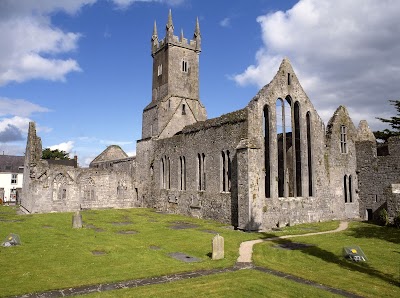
{"x":272,"y":163}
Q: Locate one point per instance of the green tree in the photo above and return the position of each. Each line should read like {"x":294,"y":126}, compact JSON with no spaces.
{"x":394,"y":123}
{"x":54,"y":154}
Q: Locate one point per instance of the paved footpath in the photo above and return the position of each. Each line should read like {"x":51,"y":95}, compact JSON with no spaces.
{"x":243,"y":262}
{"x":246,"y":248}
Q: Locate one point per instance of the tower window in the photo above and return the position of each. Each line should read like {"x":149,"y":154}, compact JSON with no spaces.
{"x":184,"y":66}
{"x":159,"y":70}
{"x":288,"y":78}
{"x":183,"y":109}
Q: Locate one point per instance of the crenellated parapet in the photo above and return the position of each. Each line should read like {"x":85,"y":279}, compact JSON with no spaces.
{"x":172,"y":40}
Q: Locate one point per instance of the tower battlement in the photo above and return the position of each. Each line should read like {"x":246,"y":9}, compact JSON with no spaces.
{"x":174,"y":40}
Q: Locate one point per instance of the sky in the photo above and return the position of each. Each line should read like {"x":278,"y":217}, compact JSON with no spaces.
{"x":81,"y":69}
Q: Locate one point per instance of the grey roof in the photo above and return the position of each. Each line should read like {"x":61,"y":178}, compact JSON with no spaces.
{"x":11,"y":164}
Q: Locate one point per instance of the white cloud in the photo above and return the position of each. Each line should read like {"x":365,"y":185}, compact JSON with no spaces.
{"x":344,"y":52}
{"x":123,"y":4}
{"x":226,"y":22}
{"x":131,"y":153}
{"x":13,"y":129}
{"x":19,"y":107}
{"x":65,"y":146}
{"x":30,"y":42}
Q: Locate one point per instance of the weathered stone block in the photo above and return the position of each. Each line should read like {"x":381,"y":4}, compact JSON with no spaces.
{"x":218,"y":247}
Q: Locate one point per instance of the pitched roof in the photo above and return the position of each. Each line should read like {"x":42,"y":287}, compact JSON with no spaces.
{"x":11,"y":164}
{"x":112,"y":152}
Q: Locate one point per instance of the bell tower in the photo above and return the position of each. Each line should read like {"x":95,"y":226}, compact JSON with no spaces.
{"x":175,"y":99}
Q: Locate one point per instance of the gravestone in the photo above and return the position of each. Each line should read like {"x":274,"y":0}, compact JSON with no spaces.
{"x":77,"y":220}
{"x":218,"y":247}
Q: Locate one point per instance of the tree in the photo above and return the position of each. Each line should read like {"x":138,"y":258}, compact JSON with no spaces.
{"x":394,"y":122}
{"x":54,"y":154}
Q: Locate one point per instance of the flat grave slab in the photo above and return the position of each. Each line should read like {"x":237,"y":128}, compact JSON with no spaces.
{"x":183,"y":225}
{"x":184,"y":257}
{"x":127,"y":232}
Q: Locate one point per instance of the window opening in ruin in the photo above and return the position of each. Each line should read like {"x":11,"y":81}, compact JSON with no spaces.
{"x":343,"y":139}
{"x":229,"y":174}
{"x":162,"y":173}
{"x":345,"y":188}
{"x":168,"y":173}
{"x":309,"y":159}
{"x":169,"y":103}
{"x":280,"y":130}
{"x":225,"y":171}
{"x":286,"y":185}
{"x":184,"y":66}
{"x":288,"y":78}
{"x":60,"y":187}
{"x":199,"y":171}
{"x":350,"y":189}
{"x":182,"y":173}
{"x":297,"y":146}
{"x":223,"y":176}
{"x":151,"y":172}
{"x":267,"y":182}
{"x":159,"y":70}
{"x":63,"y":193}
{"x":376,"y":198}
{"x":183,"y":109}
{"x":201,"y":175}
{"x":88,"y":189}
{"x":203,"y":157}
{"x":14,"y":178}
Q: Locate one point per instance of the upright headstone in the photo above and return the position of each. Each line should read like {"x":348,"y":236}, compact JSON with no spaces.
{"x":218,"y":247}
{"x":77,"y":220}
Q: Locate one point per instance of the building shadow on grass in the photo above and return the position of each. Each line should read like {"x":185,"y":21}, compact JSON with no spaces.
{"x":329,"y":257}
{"x":372,"y":230}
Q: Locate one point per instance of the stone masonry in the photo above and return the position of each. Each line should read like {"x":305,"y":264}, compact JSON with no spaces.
{"x":272,"y":163}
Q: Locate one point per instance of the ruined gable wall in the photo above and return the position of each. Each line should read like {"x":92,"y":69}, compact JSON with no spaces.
{"x":341,"y":164}
{"x":275,"y":210}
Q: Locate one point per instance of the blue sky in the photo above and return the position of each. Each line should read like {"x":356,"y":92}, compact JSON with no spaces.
{"x":81,"y":69}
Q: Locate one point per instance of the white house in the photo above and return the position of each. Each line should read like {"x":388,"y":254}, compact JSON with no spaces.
{"x":11,"y":177}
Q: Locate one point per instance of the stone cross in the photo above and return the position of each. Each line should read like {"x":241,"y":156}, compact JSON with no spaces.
{"x":77,"y":220}
{"x":218,"y":247}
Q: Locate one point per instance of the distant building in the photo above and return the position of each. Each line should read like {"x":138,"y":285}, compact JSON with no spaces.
{"x":11,"y":177}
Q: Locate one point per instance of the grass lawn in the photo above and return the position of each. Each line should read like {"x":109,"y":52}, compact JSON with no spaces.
{"x":243,"y":283}
{"x":55,"y":256}
{"x":323,"y":263}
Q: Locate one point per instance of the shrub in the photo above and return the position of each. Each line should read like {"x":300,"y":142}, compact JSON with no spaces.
{"x":396,"y":221}
{"x":383,"y":217}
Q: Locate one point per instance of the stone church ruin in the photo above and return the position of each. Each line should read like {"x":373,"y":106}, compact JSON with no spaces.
{"x":272,"y":163}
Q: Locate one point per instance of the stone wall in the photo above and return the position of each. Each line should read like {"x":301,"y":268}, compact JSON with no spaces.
{"x":210,"y":138}
{"x":50,"y":187}
{"x":379,"y":178}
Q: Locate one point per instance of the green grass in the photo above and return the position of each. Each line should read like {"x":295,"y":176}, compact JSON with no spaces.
{"x":55,"y":256}
{"x":243,"y":283}
{"x":323,"y":263}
